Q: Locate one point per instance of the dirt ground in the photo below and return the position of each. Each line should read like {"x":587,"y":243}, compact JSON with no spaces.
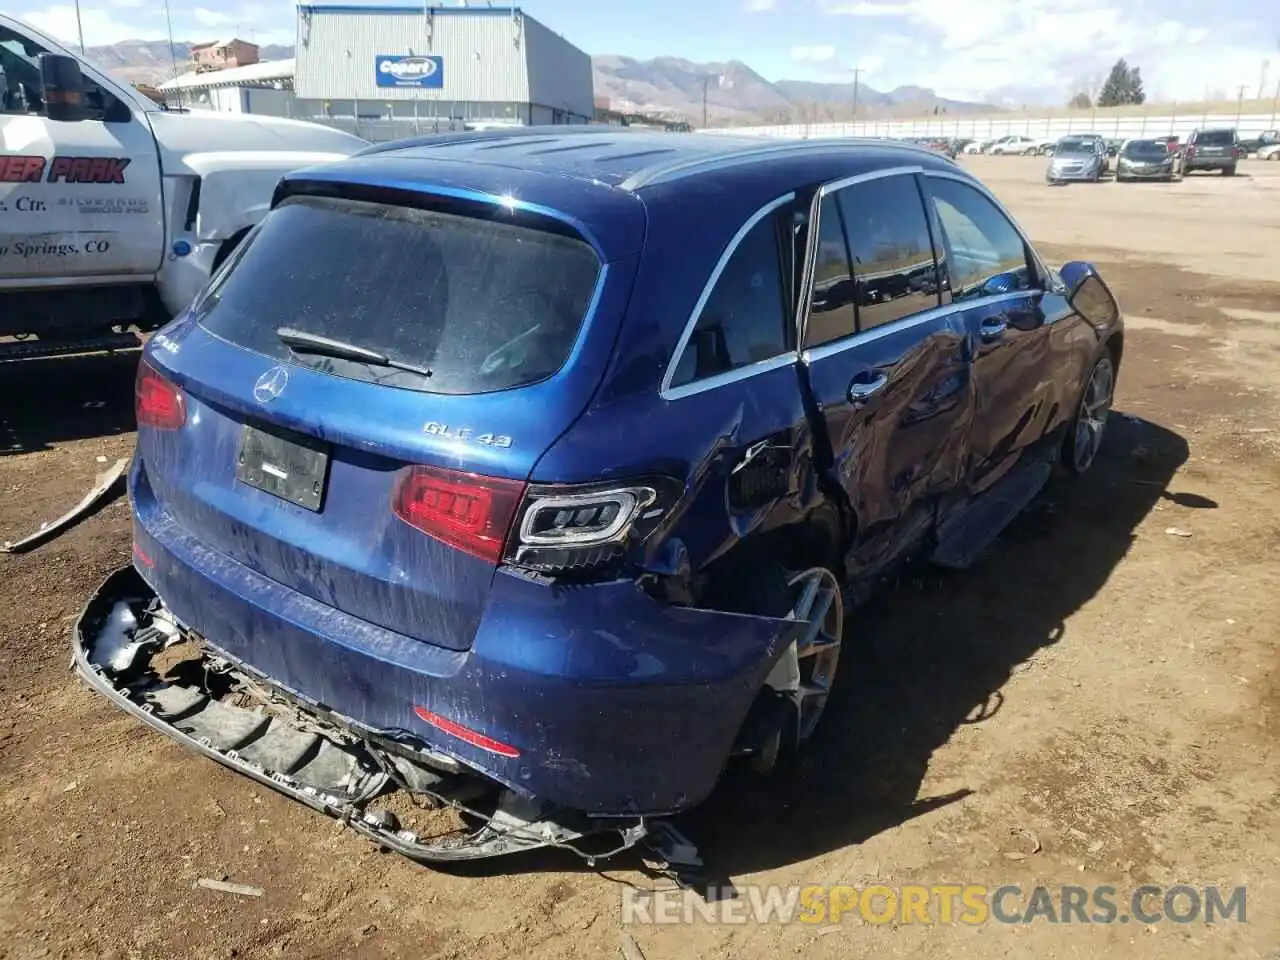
{"x":1097,"y":702}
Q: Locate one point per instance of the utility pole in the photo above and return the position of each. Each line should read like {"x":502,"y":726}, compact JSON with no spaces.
{"x":857,"y":72}
{"x":79,"y":27}
{"x":1239,"y":103}
{"x":1262,"y":78}
{"x":173,"y":57}
{"x":721,"y":81}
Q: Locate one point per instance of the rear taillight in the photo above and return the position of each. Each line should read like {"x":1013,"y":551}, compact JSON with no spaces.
{"x":585,"y":527}
{"x":1190,"y":151}
{"x":465,"y":510}
{"x":551,"y":528}
{"x":157,"y":402}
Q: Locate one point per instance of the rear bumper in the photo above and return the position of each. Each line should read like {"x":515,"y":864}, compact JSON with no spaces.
{"x":616,"y":704}
{"x":1209,"y":163}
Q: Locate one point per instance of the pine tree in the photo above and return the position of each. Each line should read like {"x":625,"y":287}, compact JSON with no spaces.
{"x":1116,"y":90}
{"x":1136,"y":93}
{"x":1080,"y":101}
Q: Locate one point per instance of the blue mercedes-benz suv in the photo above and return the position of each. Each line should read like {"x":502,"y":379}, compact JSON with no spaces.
{"x":532,"y":471}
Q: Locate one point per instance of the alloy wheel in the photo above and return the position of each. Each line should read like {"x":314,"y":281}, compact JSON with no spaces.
{"x":1091,"y":419}
{"x":809,"y":667}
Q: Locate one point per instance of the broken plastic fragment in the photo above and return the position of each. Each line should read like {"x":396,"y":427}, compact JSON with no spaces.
{"x":115,"y":648}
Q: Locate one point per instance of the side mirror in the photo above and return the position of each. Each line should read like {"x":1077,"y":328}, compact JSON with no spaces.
{"x":63,"y":87}
{"x":1088,"y":294}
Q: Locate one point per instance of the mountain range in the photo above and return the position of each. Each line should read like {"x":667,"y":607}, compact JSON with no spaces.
{"x":737,"y":94}
{"x":149,"y":61}
{"x":665,"y":86}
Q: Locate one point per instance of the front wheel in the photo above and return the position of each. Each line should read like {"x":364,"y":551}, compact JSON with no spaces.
{"x":1085,"y":436}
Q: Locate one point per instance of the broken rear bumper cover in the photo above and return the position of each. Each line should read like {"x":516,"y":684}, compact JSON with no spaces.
{"x":307,"y":757}
{"x":610,"y":705}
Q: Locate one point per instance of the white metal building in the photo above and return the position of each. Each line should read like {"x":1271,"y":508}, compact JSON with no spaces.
{"x":426,"y":65}
{"x":263,"y":88}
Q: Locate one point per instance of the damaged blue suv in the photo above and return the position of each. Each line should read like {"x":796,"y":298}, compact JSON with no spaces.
{"x":531,"y":471}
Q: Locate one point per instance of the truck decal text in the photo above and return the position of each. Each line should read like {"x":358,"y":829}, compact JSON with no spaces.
{"x":17,"y":168}
{"x":44,"y":249}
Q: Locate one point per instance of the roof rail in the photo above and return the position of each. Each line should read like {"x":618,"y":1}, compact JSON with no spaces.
{"x":662,"y":173}
{"x":481,"y":136}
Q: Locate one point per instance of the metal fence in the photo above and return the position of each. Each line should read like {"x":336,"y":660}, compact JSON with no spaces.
{"x":1119,"y":127}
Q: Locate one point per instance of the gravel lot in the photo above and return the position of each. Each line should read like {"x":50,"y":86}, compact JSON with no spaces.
{"x":1096,"y":703}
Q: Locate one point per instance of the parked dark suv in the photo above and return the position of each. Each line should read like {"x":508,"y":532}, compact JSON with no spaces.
{"x":527,"y":470}
{"x":1212,"y":149}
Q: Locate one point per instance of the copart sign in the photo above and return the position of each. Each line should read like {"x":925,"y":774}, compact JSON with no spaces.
{"x":390,"y":71}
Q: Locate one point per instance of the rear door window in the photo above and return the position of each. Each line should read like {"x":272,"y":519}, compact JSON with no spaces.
{"x":894,"y":271}
{"x":831,"y":313}
{"x":473,"y":305}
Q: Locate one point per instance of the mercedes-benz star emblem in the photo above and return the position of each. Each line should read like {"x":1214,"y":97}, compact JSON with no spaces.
{"x":271,"y":384}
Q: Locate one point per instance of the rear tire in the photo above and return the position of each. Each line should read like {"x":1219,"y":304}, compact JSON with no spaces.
{"x":1229,"y":171}
{"x":795,"y":693}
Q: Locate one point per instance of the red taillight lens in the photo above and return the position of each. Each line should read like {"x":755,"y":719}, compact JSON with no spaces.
{"x":157,"y":402}
{"x":465,"y":510}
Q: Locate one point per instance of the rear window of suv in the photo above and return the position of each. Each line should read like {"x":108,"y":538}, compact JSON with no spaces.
{"x":483,"y":305}
{"x":1216,"y":138}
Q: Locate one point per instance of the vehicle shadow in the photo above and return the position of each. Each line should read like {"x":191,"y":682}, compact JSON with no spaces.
{"x":47,"y":401}
{"x":932,"y":655}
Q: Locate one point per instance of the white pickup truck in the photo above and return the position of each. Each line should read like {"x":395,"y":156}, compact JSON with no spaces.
{"x":113,"y":210}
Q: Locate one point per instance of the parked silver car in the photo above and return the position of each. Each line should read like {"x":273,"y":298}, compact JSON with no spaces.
{"x":1077,"y":158}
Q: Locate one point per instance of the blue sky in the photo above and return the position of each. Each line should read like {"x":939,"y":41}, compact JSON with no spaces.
{"x":1019,"y":50}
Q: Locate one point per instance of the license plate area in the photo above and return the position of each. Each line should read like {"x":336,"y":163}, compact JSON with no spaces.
{"x":285,"y":464}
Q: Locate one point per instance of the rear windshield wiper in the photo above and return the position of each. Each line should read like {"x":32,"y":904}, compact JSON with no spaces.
{"x":303,"y":342}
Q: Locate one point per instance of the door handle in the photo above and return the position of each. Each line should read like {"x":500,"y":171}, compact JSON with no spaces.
{"x":861,"y":389}
{"x":993,"y":329}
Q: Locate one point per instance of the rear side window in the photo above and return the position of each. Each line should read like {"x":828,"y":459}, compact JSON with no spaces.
{"x":743,"y":320}
{"x":831,"y":313}
{"x":893,"y":265}
{"x":474,"y":305}
{"x":982,"y":243}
